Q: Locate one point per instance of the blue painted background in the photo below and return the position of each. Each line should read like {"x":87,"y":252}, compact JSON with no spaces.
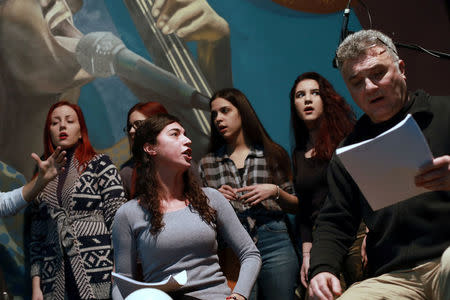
{"x":270,"y":44}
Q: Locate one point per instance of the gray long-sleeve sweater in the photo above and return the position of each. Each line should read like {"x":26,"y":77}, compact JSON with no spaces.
{"x":185,"y":243}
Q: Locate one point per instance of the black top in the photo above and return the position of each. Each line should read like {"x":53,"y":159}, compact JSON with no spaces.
{"x":126,"y":173}
{"x":402,"y":235}
{"x":311,"y":188}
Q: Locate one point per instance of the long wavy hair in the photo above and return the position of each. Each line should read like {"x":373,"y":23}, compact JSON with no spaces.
{"x":336,"y":122}
{"x":148,"y":109}
{"x":148,"y":186}
{"x":84,"y":151}
{"x":277,"y":158}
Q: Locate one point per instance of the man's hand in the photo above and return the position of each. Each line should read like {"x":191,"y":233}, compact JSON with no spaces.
{"x":193,"y":20}
{"x":436,"y":175}
{"x":324,"y":286}
{"x":228,"y":192}
{"x":254,"y":194}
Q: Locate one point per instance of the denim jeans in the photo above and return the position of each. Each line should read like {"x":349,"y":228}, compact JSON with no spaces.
{"x":279,"y":273}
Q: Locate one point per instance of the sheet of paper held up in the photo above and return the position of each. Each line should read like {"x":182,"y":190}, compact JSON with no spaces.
{"x":127,"y":285}
{"x":384,"y":167}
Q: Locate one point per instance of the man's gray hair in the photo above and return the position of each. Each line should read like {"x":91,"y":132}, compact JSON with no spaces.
{"x":357,"y":43}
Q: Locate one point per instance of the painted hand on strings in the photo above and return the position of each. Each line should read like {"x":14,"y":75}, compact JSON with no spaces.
{"x":193,"y":20}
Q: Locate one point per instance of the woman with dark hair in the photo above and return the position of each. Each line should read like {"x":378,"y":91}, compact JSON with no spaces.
{"x":321,"y":119}
{"x":173,"y":224}
{"x":254,"y":174}
{"x":136,"y":116}
{"x":70,"y":247}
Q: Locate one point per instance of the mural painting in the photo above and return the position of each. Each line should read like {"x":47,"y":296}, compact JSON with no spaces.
{"x":258,"y":46}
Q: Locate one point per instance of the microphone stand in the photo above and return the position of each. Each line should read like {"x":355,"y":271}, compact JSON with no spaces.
{"x":434,"y":53}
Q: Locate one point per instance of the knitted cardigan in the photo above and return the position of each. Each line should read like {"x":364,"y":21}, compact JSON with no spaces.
{"x":76,"y":225}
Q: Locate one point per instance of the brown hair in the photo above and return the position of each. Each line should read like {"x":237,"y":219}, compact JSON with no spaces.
{"x":336,"y":123}
{"x":147,"y":109}
{"x":148,"y":185}
{"x":278,"y":161}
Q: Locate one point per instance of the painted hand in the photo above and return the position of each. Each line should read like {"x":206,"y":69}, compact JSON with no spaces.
{"x":193,"y":20}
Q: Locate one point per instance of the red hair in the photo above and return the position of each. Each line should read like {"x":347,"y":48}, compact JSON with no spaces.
{"x":336,"y":123}
{"x":84,"y":151}
{"x":148,"y":109}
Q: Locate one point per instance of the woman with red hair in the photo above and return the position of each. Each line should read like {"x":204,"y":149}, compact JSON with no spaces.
{"x":70,"y":247}
{"x":136,"y":116}
{"x":321,"y":119}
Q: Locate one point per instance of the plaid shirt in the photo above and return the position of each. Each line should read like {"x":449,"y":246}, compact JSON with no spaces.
{"x":217,"y":169}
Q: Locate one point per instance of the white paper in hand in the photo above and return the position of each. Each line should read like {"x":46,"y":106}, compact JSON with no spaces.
{"x":384,"y":167}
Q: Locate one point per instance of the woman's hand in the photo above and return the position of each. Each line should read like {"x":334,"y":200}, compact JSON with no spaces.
{"x":37,"y":294}
{"x":193,"y":20}
{"x":49,"y":168}
{"x":364,"y":259}
{"x":254,"y":194}
{"x":304,"y":270}
{"x":228,"y":192}
{"x":36,"y":287}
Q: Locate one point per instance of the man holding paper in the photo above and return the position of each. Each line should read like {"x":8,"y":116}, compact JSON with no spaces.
{"x":408,"y":242}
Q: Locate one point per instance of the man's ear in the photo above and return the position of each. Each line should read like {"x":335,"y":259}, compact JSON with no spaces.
{"x":150,"y":149}
{"x":401,"y":68}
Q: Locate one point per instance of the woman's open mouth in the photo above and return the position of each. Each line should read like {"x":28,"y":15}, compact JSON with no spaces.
{"x":188,"y":154}
{"x":308,"y":110}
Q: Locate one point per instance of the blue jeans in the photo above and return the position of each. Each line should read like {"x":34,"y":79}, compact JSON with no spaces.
{"x":279,"y":275}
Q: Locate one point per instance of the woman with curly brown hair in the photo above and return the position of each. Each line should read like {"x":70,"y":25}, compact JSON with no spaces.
{"x":321,"y":119}
{"x":136,"y":116}
{"x":173,"y":224}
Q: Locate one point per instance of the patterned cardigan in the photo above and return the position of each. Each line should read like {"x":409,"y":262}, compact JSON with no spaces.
{"x":76,"y":225}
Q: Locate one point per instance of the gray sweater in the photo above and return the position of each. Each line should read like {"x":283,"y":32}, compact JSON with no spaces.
{"x":188,"y":243}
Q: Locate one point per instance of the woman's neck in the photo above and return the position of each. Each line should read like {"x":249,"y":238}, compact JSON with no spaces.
{"x":312,"y":138}
{"x":238,"y":151}
{"x":313,"y":135}
{"x":237,"y":143}
{"x":171,"y":189}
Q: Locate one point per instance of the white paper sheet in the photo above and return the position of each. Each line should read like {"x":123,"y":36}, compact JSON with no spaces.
{"x":127,"y":285}
{"x":384,"y":167}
